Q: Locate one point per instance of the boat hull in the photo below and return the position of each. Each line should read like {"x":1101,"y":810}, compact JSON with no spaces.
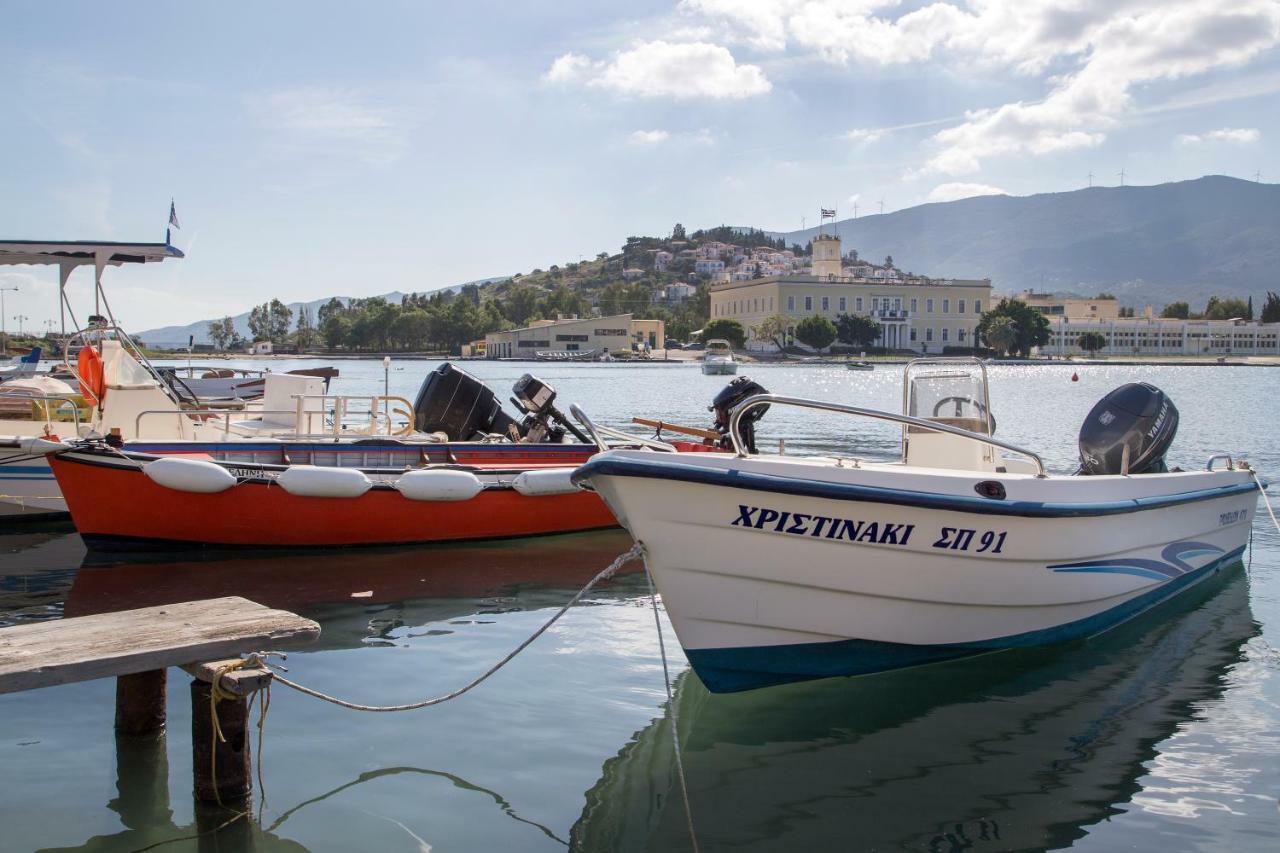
{"x":28,"y":489}
{"x":115,"y":506}
{"x":719,"y":368}
{"x":766,"y":584}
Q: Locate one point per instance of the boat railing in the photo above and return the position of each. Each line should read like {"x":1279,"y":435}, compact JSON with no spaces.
{"x":1231,"y":464}
{"x":746,"y":405}
{"x":62,"y":400}
{"x":597,"y":432}
{"x":334,"y":419}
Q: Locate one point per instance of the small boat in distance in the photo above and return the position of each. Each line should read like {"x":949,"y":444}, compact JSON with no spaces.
{"x":859,"y":365}
{"x":777,"y":568}
{"x":718,"y":360}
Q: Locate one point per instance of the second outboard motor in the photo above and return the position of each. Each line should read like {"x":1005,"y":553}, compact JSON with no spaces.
{"x":1128,"y":431}
{"x":731,"y":395}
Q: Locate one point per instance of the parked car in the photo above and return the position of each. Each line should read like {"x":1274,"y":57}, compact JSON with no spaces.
{"x":671,"y":343}
{"x":695,"y":345}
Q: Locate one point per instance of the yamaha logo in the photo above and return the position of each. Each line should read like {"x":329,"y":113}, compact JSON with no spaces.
{"x":1106,"y":418}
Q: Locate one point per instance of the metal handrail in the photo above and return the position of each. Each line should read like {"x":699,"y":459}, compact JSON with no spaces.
{"x":299,"y":413}
{"x":1231,"y":465}
{"x":636,"y":439}
{"x":765,"y":399}
{"x":62,"y":399}
{"x":581,"y":417}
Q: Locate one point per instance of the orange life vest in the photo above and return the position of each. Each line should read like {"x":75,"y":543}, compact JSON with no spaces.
{"x":93,"y":385}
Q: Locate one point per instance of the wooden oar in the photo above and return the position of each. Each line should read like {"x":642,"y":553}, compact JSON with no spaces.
{"x":709,"y":434}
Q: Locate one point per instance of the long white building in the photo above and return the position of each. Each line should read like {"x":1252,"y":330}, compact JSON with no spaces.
{"x":1160,"y":336}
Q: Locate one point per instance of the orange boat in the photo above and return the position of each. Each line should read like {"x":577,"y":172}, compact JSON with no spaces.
{"x":374,"y":492}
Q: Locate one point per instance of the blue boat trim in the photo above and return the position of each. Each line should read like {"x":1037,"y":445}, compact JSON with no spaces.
{"x":754,"y":481}
{"x":1174,"y":553}
{"x":730,"y":670}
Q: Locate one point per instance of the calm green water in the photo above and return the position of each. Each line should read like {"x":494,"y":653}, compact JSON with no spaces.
{"x":1164,"y":735}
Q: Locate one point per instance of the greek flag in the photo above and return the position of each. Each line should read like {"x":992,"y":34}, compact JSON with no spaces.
{"x":173,"y":215}
{"x":826,"y":212}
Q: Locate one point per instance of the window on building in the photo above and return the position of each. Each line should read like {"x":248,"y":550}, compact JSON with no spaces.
{"x":572,"y":338}
{"x":791,"y":303}
{"x":913,"y":309}
{"x":897,"y":303}
{"x":928,"y":306}
{"x":844,"y":304}
{"x":960,"y":335}
{"x":977,"y":306}
{"x":928,"y":334}
{"x":858,"y":303}
{"x":946,"y":306}
{"x":944,"y":334}
{"x":913,"y":333}
{"x":826,"y":304}
{"x":960,"y":306}
{"x":612,"y":333}
{"x":770,"y":303}
{"x":808,"y":303}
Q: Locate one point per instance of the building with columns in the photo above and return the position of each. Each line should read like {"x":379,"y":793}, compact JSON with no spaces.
{"x":914,"y":313}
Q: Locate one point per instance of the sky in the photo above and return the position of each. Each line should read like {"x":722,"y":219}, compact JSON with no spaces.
{"x":317,"y":148}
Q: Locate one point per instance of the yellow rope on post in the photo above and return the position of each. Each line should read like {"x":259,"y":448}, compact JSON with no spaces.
{"x":218,"y":693}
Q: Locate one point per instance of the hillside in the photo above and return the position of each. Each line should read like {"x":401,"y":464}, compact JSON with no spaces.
{"x":1155,"y":244}
{"x":174,"y":336}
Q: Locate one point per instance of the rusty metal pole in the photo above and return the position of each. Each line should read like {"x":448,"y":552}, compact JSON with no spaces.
{"x":140,"y":700}
{"x":230,"y":759}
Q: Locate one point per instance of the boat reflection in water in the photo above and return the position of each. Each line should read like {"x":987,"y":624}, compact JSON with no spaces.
{"x":360,"y":598}
{"x":1020,"y":750}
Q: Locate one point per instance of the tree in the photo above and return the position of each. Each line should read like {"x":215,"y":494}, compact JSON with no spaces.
{"x":774,"y":329}
{"x":1031,"y":328}
{"x":677,"y":233}
{"x":306,"y":331}
{"x":1225,"y":309}
{"x":856,"y":330}
{"x":1248,"y":315}
{"x":888,"y":261}
{"x":335,"y":329}
{"x":730,"y":330}
{"x":1176,"y":311}
{"x":1091,"y":342}
{"x":1000,"y":334}
{"x":1271,"y":308}
{"x":221,"y":332}
{"x":270,"y":321}
{"x":816,"y":331}
{"x":260,"y":322}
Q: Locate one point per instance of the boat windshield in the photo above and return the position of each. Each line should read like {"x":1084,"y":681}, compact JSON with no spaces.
{"x":718,"y":347}
{"x":953,"y":397}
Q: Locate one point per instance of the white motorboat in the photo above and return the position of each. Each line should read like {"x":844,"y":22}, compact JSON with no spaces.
{"x":859,"y":365}
{"x":777,"y":569}
{"x":718,"y":360}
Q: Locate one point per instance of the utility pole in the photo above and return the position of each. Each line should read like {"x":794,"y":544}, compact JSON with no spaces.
{"x":882,"y":205}
{"x":20,"y":318}
{"x":1122,"y":177}
{"x":1257,"y":177}
{"x":4,"y":339}
{"x":1091,"y":179}
{"x":855,"y":210}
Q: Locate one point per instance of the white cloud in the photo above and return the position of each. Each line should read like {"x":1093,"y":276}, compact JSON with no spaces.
{"x":660,"y":69}
{"x":329,"y":121}
{"x":1236,"y":135}
{"x":853,"y":199}
{"x":864,"y":135}
{"x":958,"y":190}
{"x":649,"y":137}
{"x":1100,"y":52}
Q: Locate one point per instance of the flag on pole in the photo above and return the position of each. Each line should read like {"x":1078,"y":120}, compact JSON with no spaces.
{"x":173,"y":215}
{"x":826,"y":212}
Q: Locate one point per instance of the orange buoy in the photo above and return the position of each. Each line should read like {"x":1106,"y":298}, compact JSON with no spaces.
{"x":1075,"y":377}
{"x":93,"y":386}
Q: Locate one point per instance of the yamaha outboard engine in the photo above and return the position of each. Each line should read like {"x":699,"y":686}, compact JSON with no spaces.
{"x":542,"y":421}
{"x":1128,"y":431}
{"x":729,"y":397}
{"x":453,"y":402}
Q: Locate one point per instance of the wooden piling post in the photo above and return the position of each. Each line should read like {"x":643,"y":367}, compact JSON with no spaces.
{"x":222,"y":767}
{"x":140,"y":702}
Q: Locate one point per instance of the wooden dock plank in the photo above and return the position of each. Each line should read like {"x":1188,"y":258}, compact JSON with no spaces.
{"x":107,"y":645}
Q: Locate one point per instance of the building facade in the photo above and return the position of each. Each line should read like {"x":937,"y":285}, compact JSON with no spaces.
{"x":1102,"y":308}
{"x":574,"y":334}
{"x":914,"y":313}
{"x":1160,"y":336}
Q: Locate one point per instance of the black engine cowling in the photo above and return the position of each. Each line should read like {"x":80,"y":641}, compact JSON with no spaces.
{"x":731,"y":395}
{"x":1134,"y":424}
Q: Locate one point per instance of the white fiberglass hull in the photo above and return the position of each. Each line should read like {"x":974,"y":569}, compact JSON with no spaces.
{"x":782,"y":570}
{"x":719,"y":367}
{"x":28,"y":489}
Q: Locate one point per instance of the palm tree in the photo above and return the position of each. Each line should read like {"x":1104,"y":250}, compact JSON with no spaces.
{"x":1001,"y":334}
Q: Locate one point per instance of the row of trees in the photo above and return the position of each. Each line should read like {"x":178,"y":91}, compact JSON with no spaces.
{"x":1228,"y":308}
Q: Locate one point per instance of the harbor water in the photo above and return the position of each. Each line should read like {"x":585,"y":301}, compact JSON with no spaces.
{"x":1162,"y":735}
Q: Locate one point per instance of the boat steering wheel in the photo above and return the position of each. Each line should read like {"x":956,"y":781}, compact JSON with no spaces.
{"x":959,"y":401}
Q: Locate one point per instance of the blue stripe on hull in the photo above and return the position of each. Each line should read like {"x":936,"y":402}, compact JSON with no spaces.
{"x":731,"y":670}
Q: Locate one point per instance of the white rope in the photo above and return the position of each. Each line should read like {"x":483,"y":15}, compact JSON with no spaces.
{"x":636,"y":551}
{"x":671,"y":703}
{"x":1265,"y":500}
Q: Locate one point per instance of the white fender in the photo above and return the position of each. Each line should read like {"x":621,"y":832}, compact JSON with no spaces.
{"x":312,"y":481}
{"x":442,"y":485}
{"x":189,"y":475}
{"x":552,"y":481}
{"x":42,"y":445}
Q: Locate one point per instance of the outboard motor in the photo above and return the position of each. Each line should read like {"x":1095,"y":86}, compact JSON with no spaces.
{"x":1128,"y":431}
{"x":729,"y":397}
{"x":543,"y":421}
{"x":453,"y":402}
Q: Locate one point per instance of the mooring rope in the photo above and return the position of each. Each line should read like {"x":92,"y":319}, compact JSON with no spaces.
{"x":1265,"y":500}
{"x":671,"y":703}
{"x":636,"y":551}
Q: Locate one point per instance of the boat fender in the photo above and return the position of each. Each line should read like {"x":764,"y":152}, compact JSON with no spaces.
{"x":189,"y":475}
{"x":441,"y":485}
{"x":552,"y":481}
{"x":312,"y":481}
{"x":37,"y":446}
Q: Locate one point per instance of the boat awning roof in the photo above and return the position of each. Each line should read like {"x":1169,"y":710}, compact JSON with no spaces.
{"x":77,"y":252}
